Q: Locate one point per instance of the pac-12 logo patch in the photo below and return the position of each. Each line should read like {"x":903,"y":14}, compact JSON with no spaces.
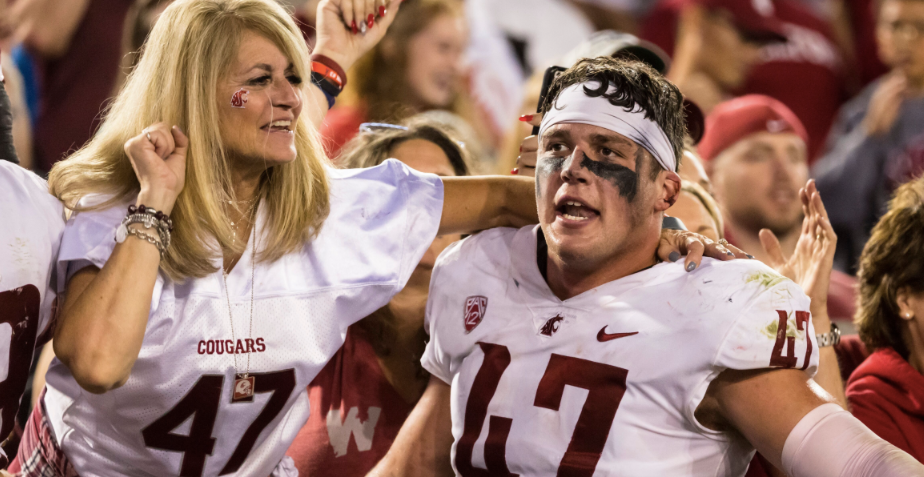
{"x":475,"y":307}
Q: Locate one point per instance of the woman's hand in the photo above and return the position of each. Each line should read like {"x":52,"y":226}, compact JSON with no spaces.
{"x":347,"y":29}
{"x":158,"y":156}
{"x":811,"y":263}
{"x":677,"y":243}
{"x":529,"y":147}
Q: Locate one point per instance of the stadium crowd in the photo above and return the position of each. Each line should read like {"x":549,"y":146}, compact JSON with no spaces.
{"x":800,"y":138}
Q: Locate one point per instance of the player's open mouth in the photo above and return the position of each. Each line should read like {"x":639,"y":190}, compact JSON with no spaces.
{"x":575,"y":210}
{"x":278,"y":126}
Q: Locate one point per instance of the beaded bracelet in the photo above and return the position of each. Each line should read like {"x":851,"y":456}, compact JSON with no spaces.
{"x":150,"y":218}
{"x":160,"y":216}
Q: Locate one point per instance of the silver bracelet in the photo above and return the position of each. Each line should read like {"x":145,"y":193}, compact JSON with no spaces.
{"x":149,"y":221}
{"x":830,"y":338}
{"x":148,"y":238}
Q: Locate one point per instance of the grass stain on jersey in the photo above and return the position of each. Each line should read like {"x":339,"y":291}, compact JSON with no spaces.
{"x":765,"y":279}
{"x":791,"y":329}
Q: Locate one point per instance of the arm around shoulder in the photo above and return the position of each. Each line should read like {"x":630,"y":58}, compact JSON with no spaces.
{"x":476,"y":203}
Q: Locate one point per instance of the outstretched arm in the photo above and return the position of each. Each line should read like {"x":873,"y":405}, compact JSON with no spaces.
{"x":482,"y":202}
{"x":791,"y":421}
{"x":423,"y":445}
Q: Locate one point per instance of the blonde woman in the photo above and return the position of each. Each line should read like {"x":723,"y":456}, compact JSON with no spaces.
{"x":215,"y":260}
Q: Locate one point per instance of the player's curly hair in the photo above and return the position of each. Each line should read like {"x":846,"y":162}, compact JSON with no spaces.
{"x":637,"y":85}
{"x":890,"y":262}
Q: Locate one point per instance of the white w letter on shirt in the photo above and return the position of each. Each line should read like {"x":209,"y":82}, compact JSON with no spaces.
{"x":339,"y":431}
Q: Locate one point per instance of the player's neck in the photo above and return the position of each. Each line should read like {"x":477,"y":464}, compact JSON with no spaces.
{"x":568,"y":279}
{"x":749,"y":241}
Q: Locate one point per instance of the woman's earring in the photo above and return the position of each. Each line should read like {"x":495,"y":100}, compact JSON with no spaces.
{"x":907,"y":315}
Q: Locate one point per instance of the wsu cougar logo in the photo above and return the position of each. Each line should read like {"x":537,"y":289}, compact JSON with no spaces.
{"x":475,"y":307}
{"x":239,"y":98}
{"x":551,"y":326}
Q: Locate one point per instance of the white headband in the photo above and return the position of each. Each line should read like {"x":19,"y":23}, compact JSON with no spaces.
{"x":574,"y":106}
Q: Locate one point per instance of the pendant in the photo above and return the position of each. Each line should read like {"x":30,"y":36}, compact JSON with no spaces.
{"x":243,"y":389}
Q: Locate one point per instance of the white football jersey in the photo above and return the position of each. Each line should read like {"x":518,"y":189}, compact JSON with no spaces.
{"x":605,"y":383}
{"x":31,"y":223}
{"x":175,"y":415}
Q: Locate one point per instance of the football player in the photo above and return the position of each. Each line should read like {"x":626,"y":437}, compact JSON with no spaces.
{"x":567,"y":349}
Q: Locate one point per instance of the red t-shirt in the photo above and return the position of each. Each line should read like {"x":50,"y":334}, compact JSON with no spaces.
{"x":887,"y":395}
{"x":355,"y":414}
{"x":806,"y":73}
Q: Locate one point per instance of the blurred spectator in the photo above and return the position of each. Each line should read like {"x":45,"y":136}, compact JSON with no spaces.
{"x":886,"y":391}
{"x":756,"y":155}
{"x":362,"y":397}
{"x":14,"y":96}
{"x":698,"y":211}
{"x":76,"y":46}
{"x":619,"y":15}
{"x":691,"y":170}
{"x":7,"y":149}
{"x":714,"y":44}
{"x":878,"y":141}
{"x":860,"y":18}
{"x":416,"y":67}
{"x":463,"y":132}
{"x":139,"y":21}
{"x":805,"y":72}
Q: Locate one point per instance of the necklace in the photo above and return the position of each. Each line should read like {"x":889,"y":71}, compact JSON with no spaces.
{"x":249,"y":212}
{"x":243,"y":383}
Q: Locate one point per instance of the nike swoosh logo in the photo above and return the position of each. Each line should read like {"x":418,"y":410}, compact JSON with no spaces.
{"x":604,"y":336}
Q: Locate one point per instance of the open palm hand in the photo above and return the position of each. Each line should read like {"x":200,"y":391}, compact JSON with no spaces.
{"x":811,"y":263}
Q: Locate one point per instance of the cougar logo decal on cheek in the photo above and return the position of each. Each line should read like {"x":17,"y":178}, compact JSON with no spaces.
{"x":625,"y":179}
{"x":239,"y":98}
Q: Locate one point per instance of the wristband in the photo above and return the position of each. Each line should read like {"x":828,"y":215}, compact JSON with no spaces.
{"x":328,"y":73}
{"x":324,"y":64}
{"x":330,"y":91}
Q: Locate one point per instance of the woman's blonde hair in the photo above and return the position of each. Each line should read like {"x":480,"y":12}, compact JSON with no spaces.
{"x":891,"y":261}
{"x":191,"y":47}
{"x":712,"y":207}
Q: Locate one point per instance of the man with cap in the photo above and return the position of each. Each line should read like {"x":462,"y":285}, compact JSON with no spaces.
{"x":755,"y":150}
{"x":567,"y":349}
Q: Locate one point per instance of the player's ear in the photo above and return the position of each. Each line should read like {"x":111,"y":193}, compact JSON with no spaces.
{"x":670,"y":191}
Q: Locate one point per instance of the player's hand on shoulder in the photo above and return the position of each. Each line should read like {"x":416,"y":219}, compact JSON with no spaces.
{"x":158,"y":156}
{"x":811,"y":263}
{"x":675,"y":244}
